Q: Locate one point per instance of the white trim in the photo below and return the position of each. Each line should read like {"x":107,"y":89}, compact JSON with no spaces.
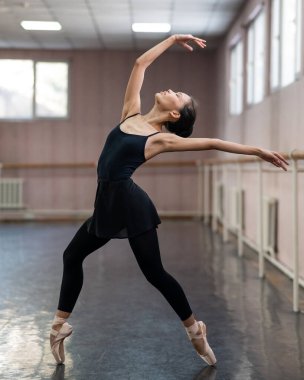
{"x":254,"y":13}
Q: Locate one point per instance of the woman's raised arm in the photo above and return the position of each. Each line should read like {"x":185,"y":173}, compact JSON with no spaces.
{"x":132,"y":95}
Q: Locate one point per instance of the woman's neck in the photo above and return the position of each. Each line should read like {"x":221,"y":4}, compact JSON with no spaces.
{"x":155,"y":118}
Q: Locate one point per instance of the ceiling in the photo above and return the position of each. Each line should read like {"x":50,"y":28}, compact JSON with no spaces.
{"x":106,"y":24}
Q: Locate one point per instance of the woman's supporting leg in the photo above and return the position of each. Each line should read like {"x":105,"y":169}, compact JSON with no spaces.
{"x":78,"y":249}
{"x":146,"y":250}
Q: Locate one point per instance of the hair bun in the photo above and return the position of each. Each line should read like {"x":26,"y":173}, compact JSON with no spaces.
{"x":183,"y":127}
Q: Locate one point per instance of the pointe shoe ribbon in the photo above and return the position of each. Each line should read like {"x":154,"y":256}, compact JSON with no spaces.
{"x":64,"y":331}
{"x":208,"y":355}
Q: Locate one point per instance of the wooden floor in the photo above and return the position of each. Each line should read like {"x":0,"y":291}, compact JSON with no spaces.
{"x":124,"y":328}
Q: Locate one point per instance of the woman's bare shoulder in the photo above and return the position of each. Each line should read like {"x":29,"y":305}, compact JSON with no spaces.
{"x":155,"y":145}
{"x":170,"y":142}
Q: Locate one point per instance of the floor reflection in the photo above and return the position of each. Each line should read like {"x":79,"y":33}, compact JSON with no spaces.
{"x":59,"y":372}
{"x":207,"y":373}
{"x":130,"y":332}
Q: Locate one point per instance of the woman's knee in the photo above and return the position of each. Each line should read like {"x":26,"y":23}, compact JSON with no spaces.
{"x":70,"y":257}
{"x":156,"y":277}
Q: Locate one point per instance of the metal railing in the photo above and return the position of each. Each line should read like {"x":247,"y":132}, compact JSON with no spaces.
{"x":239,"y":166}
{"x":29,"y":213}
{"x":208,"y":203}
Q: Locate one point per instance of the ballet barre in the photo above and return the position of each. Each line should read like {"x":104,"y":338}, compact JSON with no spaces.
{"x":209,"y":208}
{"x":213,"y":167}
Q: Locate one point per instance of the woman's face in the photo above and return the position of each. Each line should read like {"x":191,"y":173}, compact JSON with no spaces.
{"x":169,"y":100}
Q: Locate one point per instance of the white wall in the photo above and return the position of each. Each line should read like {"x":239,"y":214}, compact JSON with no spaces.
{"x":276,"y":124}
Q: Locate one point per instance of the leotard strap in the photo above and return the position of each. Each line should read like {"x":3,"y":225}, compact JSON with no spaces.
{"x":132,"y":133}
{"x":153,"y":134}
{"x":129,"y":117}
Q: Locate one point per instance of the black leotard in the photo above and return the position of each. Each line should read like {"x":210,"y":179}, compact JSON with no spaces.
{"x":122,"y":154}
{"x":121,"y":209}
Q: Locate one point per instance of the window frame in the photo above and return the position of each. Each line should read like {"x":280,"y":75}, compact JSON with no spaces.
{"x":237,"y":44}
{"x":279,"y":63}
{"x":298,"y":48}
{"x":34,"y":116}
{"x":250,"y":26}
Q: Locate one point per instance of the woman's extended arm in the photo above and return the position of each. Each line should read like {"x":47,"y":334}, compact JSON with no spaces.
{"x":273,"y":157}
{"x":173,"y":143}
{"x":232,"y":147}
{"x":132,"y":95}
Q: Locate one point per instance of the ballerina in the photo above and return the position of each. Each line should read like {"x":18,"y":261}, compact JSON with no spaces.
{"x":123,"y":210}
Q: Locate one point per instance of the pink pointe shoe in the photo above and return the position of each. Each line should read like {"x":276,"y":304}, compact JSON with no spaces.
{"x":201,"y":333}
{"x":57,"y":347}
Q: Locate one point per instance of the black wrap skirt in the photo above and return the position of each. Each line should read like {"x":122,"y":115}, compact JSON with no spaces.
{"x":122,"y":209}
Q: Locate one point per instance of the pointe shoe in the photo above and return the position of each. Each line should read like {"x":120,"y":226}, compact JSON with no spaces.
{"x":208,"y":355}
{"x":57,"y":347}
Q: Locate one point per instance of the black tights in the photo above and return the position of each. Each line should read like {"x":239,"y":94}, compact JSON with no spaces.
{"x":146,"y":250}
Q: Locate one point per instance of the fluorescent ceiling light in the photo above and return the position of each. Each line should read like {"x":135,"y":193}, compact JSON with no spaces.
{"x":154,"y":27}
{"x":40,"y":25}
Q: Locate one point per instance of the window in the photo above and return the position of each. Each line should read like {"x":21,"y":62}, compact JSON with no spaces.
{"x":51,"y":88}
{"x":16,"y":89}
{"x":33,"y":89}
{"x":285,"y":42}
{"x":236,"y":79}
{"x":255,"y":59}
{"x":275,"y":43}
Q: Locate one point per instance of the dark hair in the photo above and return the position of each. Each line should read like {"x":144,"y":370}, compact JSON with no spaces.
{"x":184,"y":125}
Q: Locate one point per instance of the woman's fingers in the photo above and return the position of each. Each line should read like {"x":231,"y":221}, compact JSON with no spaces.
{"x":186,"y":46}
{"x":281,"y":157}
{"x":202,"y":45}
{"x":184,"y":39}
{"x":284,"y":167}
{"x":187,"y":37}
{"x":199,"y":42}
{"x":275,"y":159}
{"x":280,"y":164}
{"x":280,"y":160}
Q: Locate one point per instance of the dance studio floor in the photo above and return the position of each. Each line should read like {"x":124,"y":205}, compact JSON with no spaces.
{"x":124,"y":329}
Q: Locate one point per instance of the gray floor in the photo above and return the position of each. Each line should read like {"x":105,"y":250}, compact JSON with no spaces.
{"x":124,"y":329}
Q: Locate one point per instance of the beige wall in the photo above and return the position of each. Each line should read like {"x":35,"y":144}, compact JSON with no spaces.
{"x":276,"y":124}
{"x":98,"y":81}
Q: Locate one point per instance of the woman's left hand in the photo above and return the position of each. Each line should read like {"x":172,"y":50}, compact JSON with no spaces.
{"x":184,"y":39}
{"x":274,"y":158}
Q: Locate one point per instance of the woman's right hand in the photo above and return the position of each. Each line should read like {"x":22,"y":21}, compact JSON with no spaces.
{"x":184,"y":39}
{"x":273,"y":157}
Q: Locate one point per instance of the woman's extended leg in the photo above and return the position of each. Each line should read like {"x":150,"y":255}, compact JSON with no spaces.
{"x":146,"y":250}
{"x":78,"y":249}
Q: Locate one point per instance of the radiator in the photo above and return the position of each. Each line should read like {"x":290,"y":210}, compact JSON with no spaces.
{"x":11,"y":193}
{"x":220,"y":200}
{"x":270,"y":225}
{"x":236,"y":199}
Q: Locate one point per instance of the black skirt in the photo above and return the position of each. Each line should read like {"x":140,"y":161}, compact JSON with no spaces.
{"x":121,"y":210}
